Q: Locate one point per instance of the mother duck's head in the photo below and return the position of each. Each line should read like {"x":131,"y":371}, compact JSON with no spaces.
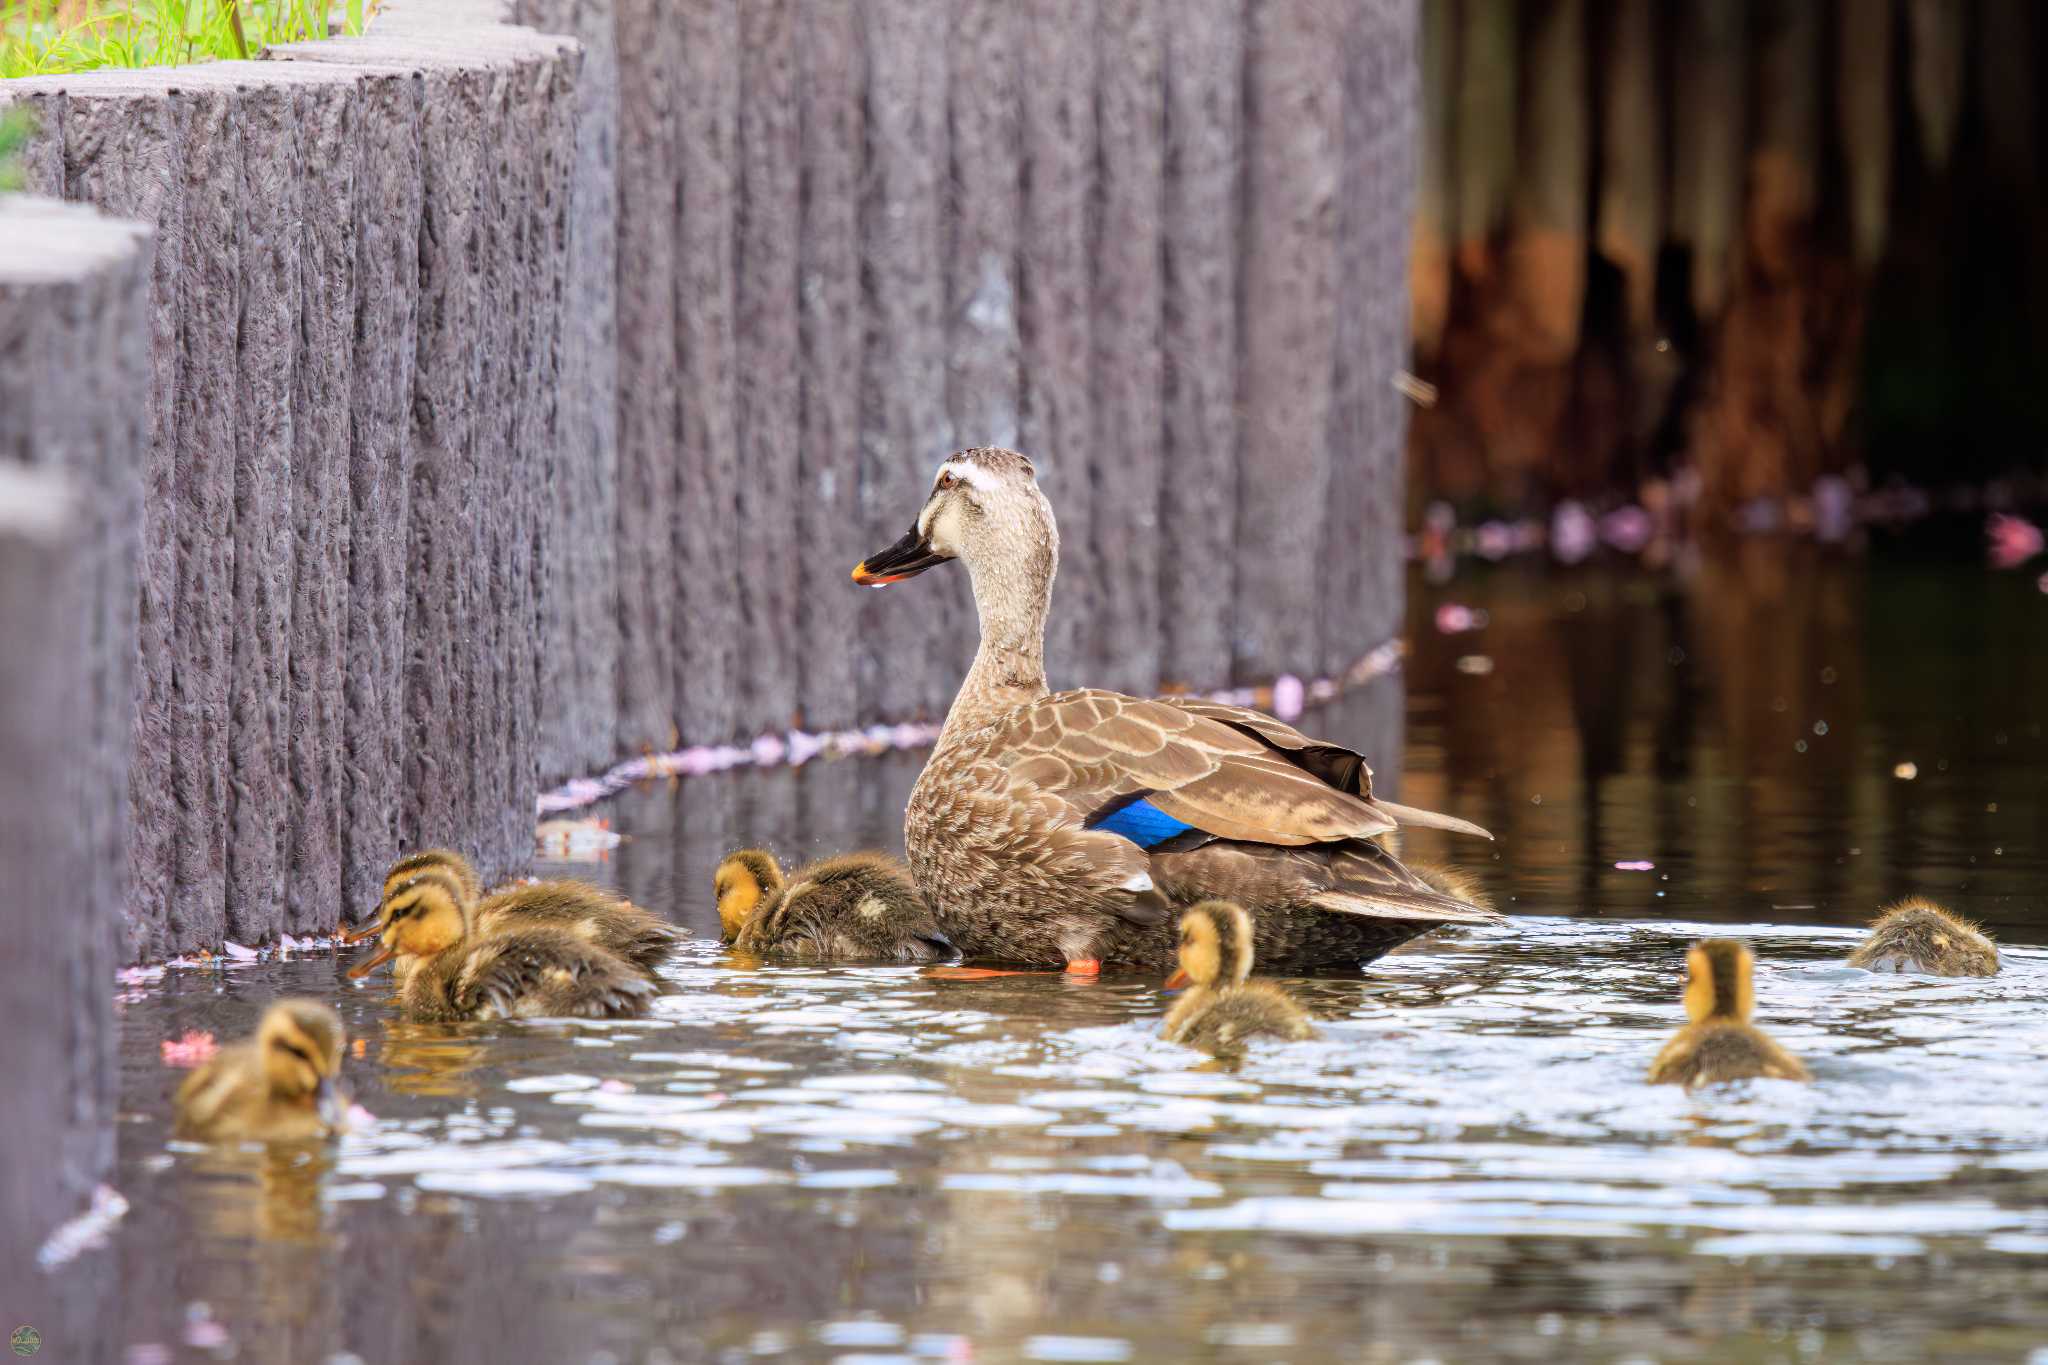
{"x":985,"y":510}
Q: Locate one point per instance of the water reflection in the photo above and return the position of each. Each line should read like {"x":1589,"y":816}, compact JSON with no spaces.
{"x":806,"y":1164}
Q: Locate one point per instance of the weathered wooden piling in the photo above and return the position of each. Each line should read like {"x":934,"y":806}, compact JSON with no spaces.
{"x":73,"y":441}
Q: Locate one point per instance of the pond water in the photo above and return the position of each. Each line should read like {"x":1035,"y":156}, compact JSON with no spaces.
{"x":871,"y":1164}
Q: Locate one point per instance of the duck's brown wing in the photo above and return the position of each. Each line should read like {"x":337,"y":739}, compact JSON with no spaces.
{"x":544,"y":972}
{"x":1091,"y":749}
{"x":1342,"y":768}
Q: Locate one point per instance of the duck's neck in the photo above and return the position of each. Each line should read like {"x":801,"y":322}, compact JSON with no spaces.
{"x":1009,"y":668}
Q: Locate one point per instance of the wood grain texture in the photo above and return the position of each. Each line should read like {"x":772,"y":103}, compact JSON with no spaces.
{"x":650,"y":53}
{"x":1294,"y":137}
{"x":905,"y":433}
{"x":1204,"y":70}
{"x":1362,"y":588}
{"x":1056,"y":60}
{"x":1127,"y":337}
{"x":831,"y":534}
{"x":769,"y":366}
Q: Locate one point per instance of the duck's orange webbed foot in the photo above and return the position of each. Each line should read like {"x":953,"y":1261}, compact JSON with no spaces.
{"x":1085,"y":966}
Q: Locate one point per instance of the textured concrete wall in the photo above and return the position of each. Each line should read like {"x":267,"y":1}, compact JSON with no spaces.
{"x":519,"y":401}
{"x":356,"y":426}
{"x":73,"y":433}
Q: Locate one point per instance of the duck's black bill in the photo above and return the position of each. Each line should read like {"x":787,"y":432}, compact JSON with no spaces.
{"x":907,"y":558}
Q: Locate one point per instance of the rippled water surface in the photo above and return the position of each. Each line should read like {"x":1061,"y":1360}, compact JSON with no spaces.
{"x":871,"y":1164}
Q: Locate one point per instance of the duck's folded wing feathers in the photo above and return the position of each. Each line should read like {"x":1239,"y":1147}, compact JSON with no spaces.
{"x":1092,"y":748}
{"x":1342,"y":768}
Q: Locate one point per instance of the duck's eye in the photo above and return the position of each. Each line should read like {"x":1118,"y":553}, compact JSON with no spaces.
{"x":948,"y":481}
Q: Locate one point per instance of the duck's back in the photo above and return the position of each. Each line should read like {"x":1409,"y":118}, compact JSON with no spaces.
{"x":593,"y":914}
{"x":1223,"y":1020}
{"x":855,"y":907}
{"x":1715,"y":1051}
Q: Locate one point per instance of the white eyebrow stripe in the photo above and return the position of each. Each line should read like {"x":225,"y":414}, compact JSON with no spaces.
{"x":972,"y":475}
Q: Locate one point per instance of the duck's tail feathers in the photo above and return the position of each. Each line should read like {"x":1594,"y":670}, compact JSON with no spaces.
{"x":1424,"y":906}
{"x":1428,"y":819}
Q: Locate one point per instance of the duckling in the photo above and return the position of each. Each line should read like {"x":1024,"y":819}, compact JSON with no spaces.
{"x":522,"y":969}
{"x":279,"y":1087}
{"x":1916,"y":935}
{"x":592,"y":913}
{"x":856,"y":907}
{"x":1441,"y":878}
{"x":1219,"y":1017}
{"x":1719,"y":1043}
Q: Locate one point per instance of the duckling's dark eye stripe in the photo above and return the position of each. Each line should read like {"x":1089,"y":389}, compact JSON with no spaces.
{"x":298,"y":1052}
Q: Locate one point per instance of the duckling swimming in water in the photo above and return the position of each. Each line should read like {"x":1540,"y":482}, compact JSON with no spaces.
{"x":1441,"y":878}
{"x":524,"y":968}
{"x":856,"y":907}
{"x":281,"y":1086}
{"x":1917,"y":935}
{"x":1215,"y":938}
{"x":1719,"y":1043}
{"x":597,"y":916}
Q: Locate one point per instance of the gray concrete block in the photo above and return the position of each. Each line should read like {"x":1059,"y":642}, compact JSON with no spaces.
{"x":983,"y":359}
{"x":1204,"y":71}
{"x":1293,"y":137}
{"x":1056,"y":61}
{"x":580,"y":609}
{"x":1128,"y":443}
{"x":57,"y":1008}
{"x":831,"y":535}
{"x":1364,"y":588}
{"x":905,"y":429}
{"x":768,"y":377}
{"x":649,"y":189}
{"x":42,"y":158}
{"x":705,"y":568}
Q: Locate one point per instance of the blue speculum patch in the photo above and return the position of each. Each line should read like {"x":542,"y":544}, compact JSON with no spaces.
{"x":1143,"y":823}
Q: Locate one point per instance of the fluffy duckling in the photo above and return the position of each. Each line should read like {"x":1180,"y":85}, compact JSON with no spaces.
{"x":522,"y":969}
{"x":1719,"y":1043}
{"x":1215,"y":939}
{"x":1916,"y":935}
{"x":856,"y":907}
{"x":597,"y":916}
{"x":280,"y":1086}
{"x":1441,"y":878}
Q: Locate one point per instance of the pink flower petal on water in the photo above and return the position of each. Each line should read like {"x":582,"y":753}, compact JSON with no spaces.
{"x":1287,"y":695}
{"x":238,"y":952}
{"x":769,"y":750}
{"x":1453,"y":618}
{"x":194,"y":1047}
{"x":1635,"y":865}
{"x":803,"y":746}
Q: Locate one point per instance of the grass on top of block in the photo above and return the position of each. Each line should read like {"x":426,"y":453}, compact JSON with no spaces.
{"x":58,"y":37}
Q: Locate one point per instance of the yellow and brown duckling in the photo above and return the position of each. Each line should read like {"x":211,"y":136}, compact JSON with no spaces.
{"x":1718,"y":1043}
{"x":1222,"y":1007}
{"x":522,"y":969}
{"x":592,"y":913}
{"x":858,"y":907}
{"x":280,"y":1086}
{"x":1917,"y":935}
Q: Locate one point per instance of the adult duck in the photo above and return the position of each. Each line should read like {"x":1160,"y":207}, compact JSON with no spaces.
{"x":1067,"y":827}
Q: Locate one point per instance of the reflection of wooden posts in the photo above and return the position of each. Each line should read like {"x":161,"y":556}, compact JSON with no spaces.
{"x":1629,"y":223}
{"x":1863,"y":111}
{"x":1430,"y":273}
{"x":1706,"y":140}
